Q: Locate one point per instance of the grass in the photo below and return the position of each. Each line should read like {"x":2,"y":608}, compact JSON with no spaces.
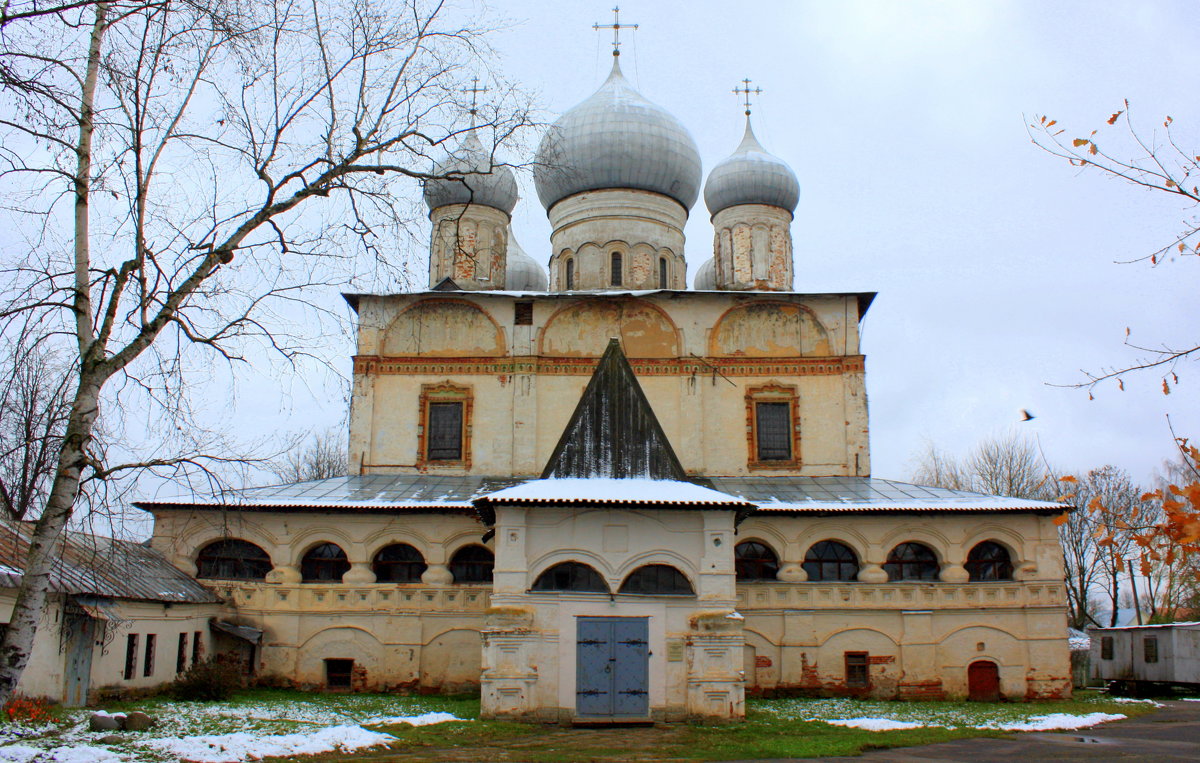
{"x":773,"y":728}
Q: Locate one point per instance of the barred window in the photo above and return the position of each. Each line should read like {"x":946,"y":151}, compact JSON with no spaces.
{"x":662,"y":272}
{"x":131,"y":655}
{"x":571,"y":576}
{"x":232,"y":559}
{"x":398,"y":563}
{"x":989,"y":561}
{"x":472,"y":564}
{"x":615,"y":269}
{"x":774,"y":431}
{"x":658,"y":579}
{"x":445,"y":431}
{"x":753,"y":560}
{"x":911,"y":561}
{"x":830,"y":560}
{"x":858,"y":673}
{"x":570,"y":274}
{"x":325,"y":563}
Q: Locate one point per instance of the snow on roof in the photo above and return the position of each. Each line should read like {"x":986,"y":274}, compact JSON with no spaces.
{"x":610,"y":490}
{"x":1192,"y":624}
{"x":866,"y":494}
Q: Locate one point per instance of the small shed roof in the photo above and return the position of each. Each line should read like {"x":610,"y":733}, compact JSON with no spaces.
{"x":100,"y":566}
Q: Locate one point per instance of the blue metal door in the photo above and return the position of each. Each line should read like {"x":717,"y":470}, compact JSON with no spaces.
{"x":612,"y":667}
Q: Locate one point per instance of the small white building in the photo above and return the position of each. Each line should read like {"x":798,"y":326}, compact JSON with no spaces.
{"x":119,"y":616}
{"x":1147,"y":654}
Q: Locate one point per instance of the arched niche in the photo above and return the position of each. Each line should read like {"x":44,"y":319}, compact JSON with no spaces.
{"x":444,"y":328}
{"x":582,"y":330}
{"x":769,"y":330}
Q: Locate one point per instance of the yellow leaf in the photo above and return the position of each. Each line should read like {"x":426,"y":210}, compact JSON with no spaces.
{"x":1092,"y":149}
{"x":1052,"y":122}
{"x":1166,"y":387}
{"x":1061,"y":520}
{"x":1114,"y":117}
{"x":1121,"y":384}
{"x":1171,"y":184}
{"x":1079,"y":142}
{"x":1181,"y":248}
{"x":1067,"y":478}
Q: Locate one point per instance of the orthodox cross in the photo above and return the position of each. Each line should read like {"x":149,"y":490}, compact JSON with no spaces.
{"x":746,"y":91}
{"x":474,"y":90}
{"x":616,"y":26}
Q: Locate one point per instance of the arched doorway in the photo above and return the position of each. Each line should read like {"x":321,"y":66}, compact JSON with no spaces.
{"x":983,"y":681}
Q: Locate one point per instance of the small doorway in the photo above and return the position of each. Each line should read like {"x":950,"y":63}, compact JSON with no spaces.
{"x":612,"y":664}
{"x":80,"y":632}
{"x":983,"y":681}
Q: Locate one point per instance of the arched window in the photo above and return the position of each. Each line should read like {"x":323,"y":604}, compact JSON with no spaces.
{"x":755,"y":561}
{"x":911,"y":561}
{"x":398,"y":563}
{"x":472,"y":564}
{"x":324,"y":563}
{"x":570,"y":274}
{"x":570,"y":576}
{"x":232,"y":559}
{"x":989,"y":561}
{"x":662,"y":272}
{"x":830,"y":560}
{"x":659,"y":580}
{"x":615,"y":269}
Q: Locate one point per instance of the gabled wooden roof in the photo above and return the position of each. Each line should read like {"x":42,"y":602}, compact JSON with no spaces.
{"x":614,"y":432}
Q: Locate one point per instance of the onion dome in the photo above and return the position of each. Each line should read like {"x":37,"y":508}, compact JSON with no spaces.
{"x":482,"y":182}
{"x":524,"y":274}
{"x":617,"y":139}
{"x":751,"y":176}
{"x":706,"y":276}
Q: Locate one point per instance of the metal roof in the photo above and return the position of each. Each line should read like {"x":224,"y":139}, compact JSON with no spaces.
{"x":866,"y":494}
{"x":472,"y":176}
{"x":100,"y":566}
{"x":751,"y":176}
{"x":524,"y":273}
{"x":617,"y":139}
{"x":404,"y":493}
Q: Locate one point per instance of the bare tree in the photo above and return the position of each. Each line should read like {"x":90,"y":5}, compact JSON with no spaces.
{"x":321,"y":457}
{"x":1114,"y":504}
{"x":221,"y":160}
{"x":1010,"y":466}
{"x":1157,"y":162}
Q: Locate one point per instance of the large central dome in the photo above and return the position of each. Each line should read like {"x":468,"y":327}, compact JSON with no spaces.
{"x":617,"y":139}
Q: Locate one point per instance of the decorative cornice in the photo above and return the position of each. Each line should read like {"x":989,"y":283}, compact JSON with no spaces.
{"x":376,"y":365}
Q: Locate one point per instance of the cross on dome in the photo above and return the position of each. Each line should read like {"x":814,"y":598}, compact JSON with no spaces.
{"x":474,"y":90}
{"x":746,"y":91}
{"x":616,"y":26}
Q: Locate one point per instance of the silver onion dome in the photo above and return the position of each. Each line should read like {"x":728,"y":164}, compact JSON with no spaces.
{"x":617,"y":139}
{"x":524,"y":274}
{"x":706,"y":276}
{"x":472,"y":177}
{"x":751,"y":176}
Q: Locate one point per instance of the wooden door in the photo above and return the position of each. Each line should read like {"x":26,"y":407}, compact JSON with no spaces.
{"x":983,"y":681}
{"x":81,"y":634}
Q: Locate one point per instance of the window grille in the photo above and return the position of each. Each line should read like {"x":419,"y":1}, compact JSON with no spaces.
{"x":830,"y":560}
{"x":131,"y":655}
{"x":658,"y":580}
{"x":445,"y":431}
{"x":472,"y":564}
{"x":662,"y":272}
{"x":773,"y":428}
{"x":858,"y":674}
{"x":523,"y":313}
{"x":233,"y":559}
{"x":911,"y":561}
{"x":325,"y":563}
{"x":339,"y":674}
{"x":570,"y":576}
{"x":989,"y":561}
{"x":755,"y":561}
{"x":570,"y":274}
{"x":615,"y":269}
{"x":398,"y":563}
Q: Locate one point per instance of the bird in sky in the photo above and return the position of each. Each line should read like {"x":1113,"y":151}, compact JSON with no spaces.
{"x":1026,"y":415}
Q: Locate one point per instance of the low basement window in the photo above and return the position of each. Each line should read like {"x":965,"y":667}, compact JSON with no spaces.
{"x":338,"y":673}
{"x":857,"y":669}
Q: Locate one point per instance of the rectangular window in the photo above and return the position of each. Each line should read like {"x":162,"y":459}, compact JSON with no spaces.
{"x":662,"y":272}
{"x":445,"y":431}
{"x":615,"y":269}
{"x":338,"y":673}
{"x":131,"y":655}
{"x":148,"y":664}
{"x":523,"y":313}
{"x":181,"y":654}
{"x":1106,"y":647}
{"x":197,"y":648}
{"x":773,"y":424}
{"x":857,"y":669}
{"x":1150,"y":648}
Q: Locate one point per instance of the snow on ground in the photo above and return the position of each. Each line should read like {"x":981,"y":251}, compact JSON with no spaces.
{"x":20,"y":753}
{"x":1058,"y":722}
{"x":413,"y":720}
{"x":241,"y":746}
{"x":1132,"y":701}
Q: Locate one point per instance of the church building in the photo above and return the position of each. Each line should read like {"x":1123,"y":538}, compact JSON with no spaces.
{"x":598,"y":495}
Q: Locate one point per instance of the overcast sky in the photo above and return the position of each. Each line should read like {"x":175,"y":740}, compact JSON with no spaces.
{"x":905,"y":123}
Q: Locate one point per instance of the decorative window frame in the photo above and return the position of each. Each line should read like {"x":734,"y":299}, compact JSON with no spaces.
{"x":771,"y":393}
{"x":444,"y":392}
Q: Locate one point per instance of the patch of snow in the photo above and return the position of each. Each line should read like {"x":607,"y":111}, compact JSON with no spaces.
{"x":874,"y":724}
{"x":6,"y":570}
{"x":1190,"y":699}
{"x":1132,"y":701}
{"x":735,"y":615}
{"x":607,"y":489}
{"x":242,"y":746}
{"x":20,"y":753}
{"x":424,"y":719}
{"x":1057,"y":722}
